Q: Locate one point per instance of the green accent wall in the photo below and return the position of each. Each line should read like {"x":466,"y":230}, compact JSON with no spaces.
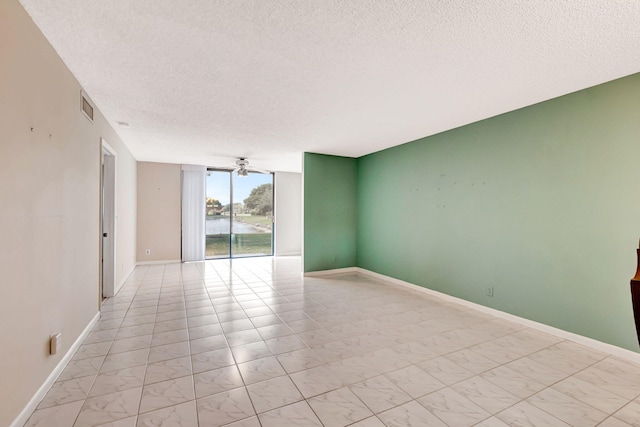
{"x":330,"y":213}
{"x":542,"y":204}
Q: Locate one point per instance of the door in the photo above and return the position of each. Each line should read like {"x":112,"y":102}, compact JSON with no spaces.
{"x":108,"y":219}
{"x":239,"y":214}
{"x":218,"y":214}
{"x":252,"y":224}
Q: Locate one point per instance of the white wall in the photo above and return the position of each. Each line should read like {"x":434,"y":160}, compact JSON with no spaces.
{"x":288,"y":189}
{"x":126,"y":207}
{"x":49,"y":209}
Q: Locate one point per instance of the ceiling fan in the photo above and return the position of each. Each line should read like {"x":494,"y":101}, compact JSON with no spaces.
{"x":243,"y":167}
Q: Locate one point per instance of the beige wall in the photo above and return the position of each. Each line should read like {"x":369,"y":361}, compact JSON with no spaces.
{"x":49,"y":209}
{"x":158,"y":212}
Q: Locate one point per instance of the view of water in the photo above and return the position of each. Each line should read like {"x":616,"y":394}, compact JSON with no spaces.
{"x":220,"y":225}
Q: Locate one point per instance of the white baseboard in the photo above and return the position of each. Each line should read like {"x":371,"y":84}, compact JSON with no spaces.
{"x":580,"y":339}
{"x":278,"y":254}
{"x":169,"y":261}
{"x":44,"y":388}
{"x":331,"y":272}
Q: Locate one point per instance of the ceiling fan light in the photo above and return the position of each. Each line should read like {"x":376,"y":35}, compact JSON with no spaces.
{"x":242,"y":172}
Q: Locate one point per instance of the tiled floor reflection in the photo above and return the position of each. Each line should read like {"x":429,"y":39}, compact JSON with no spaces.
{"x":250,"y":343}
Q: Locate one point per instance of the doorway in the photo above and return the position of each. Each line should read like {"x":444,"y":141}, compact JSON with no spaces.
{"x":108,"y":221}
{"x":239,"y":214}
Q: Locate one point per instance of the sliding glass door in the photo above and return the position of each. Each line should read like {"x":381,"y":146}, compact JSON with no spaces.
{"x":218,"y":214}
{"x":252,"y":221}
{"x":239,"y":214}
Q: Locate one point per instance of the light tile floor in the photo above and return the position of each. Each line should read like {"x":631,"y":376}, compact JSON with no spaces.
{"x":250,"y":343}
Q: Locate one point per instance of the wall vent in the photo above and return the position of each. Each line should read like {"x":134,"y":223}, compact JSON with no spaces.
{"x":87,"y":108}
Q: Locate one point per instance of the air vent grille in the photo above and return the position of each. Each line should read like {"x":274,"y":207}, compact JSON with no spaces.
{"x":87,"y":108}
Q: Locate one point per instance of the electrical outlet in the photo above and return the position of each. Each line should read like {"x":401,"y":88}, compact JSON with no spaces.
{"x":148,"y":252}
{"x":490,"y":291}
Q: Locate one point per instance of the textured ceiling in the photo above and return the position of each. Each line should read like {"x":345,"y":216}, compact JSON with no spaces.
{"x":205,"y":82}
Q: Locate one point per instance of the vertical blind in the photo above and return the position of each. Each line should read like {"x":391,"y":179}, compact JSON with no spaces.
{"x":193,"y":212}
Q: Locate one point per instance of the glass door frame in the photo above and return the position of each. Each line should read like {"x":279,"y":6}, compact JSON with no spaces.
{"x":231,"y":215}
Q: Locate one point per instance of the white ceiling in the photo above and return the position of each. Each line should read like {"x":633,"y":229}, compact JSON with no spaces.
{"x":205,"y":82}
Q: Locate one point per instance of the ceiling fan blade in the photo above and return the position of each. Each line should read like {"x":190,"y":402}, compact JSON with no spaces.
{"x":252,"y":169}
